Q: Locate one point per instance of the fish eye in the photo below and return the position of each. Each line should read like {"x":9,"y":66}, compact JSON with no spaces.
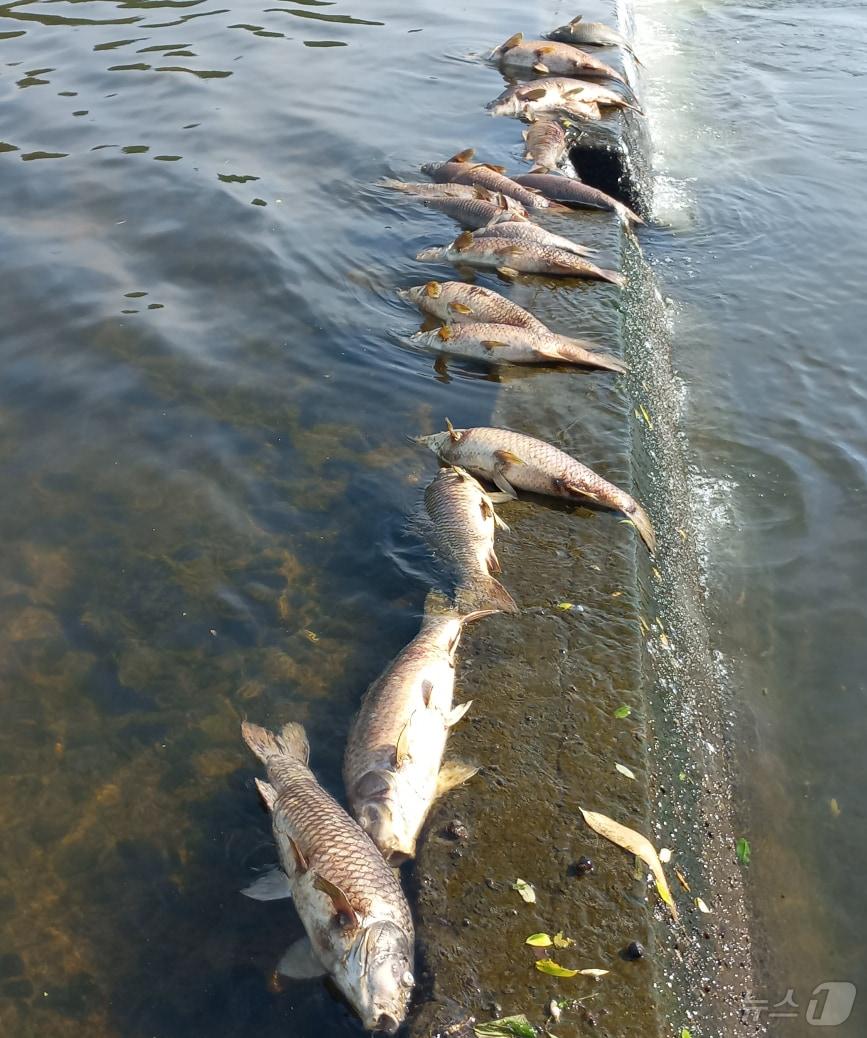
{"x":407,"y":979}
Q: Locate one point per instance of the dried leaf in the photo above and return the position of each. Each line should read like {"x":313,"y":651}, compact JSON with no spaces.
{"x":646,"y":416}
{"x":526,"y":891}
{"x":622,"y":711}
{"x":636,"y":844}
{"x":554,"y":969}
{"x":311,"y":636}
{"x":506,"y":1027}
{"x":743,"y":851}
{"x":539,"y":940}
{"x":701,"y":906}
{"x":562,"y":941}
{"x":628,"y":772}
{"x":682,"y":880}
{"x":593,"y":973}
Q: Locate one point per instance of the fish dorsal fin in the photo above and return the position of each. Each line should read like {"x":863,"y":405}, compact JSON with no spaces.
{"x":454,"y":435}
{"x":346,"y":917}
{"x":457,"y":713}
{"x":267,"y":792}
{"x":464,"y":241}
{"x":535,"y":94}
{"x":445,"y":333}
{"x":452,"y":774}
{"x":492,"y":167}
{"x":512,"y":41}
{"x":543,"y":69}
{"x":463,"y":156}
{"x":576,"y":19}
{"x":433,"y":289}
{"x":301,"y":863}
{"x":493,"y":344}
{"x":460,"y":308}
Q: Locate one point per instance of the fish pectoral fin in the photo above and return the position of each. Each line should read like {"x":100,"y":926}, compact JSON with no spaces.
{"x":267,"y":792}
{"x":460,"y":308}
{"x":346,"y":917}
{"x":464,"y":241}
{"x":452,"y":774}
{"x":463,"y":156}
{"x":301,"y":863}
{"x":427,"y":692}
{"x":539,"y":67}
{"x":493,"y":344}
{"x":433,"y":289}
{"x":457,"y":713}
{"x":454,"y":435}
{"x":508,"y":272}
{"x":505,"y":457}
{"x":533,"y":94}
{"x":493,"y":562}
{"x":504,"y":485}
{"x":576,"y":19}
{"x":498,"y":498}
{"x":273,"y":885}
{"x":300,"y":962}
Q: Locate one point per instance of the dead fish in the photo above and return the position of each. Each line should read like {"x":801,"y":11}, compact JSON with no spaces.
{"x":393,"y":767}
{"x":464,"y":525}
{"x":358,"y":923}
{"x":508,"y":344}
{"x":558,"y":94}
{"x":460,"y":170}
{"x":457,"y":302}
{"x":464,"y":192}
{"x":511,"y":460}
{"x":503,"y":226}
{"x":510,"y":257}
{"x":546,"y":145}
{"x":574,"y":192}
{"x":595,"y":34}
{"x":548,"y":56}
{"x":473,"y":213}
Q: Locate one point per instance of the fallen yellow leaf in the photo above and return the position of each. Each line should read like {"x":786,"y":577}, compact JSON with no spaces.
{"x":554,"y":969}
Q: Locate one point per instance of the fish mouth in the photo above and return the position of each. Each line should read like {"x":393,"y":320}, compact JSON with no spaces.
{"x":386,"y":1024}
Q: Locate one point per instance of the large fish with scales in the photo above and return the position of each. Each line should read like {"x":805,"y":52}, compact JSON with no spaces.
{"x":460,"y":169}
{"x":505,"y":225}
{"x":573,"y":192}
{"x":393,"y":766}
{"x":358,"y":923}
{"x":457,"y":302}
{"x":506,"y":344}
{"x":551,"y":56}
{"x":513,"y":461}
{"x":558,"y":94}
{"x":510,"y":257}
{"x":594,"y":34}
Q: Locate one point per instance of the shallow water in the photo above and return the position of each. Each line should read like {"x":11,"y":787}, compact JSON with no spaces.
{"x":206,"y":481}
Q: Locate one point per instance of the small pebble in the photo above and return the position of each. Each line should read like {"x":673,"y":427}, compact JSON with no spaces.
{"x":584,"y":866}
{"x":635,"y":950}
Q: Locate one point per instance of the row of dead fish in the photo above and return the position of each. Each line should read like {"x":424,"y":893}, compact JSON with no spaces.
{"x":339,"y":870}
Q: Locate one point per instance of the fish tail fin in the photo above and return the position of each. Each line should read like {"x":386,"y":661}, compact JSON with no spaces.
{"x":583,"y":352}
{"x":642,"y":523}
{"x":614,"y":276}
{"x":485,"y":593}
{"x":290,"y":741}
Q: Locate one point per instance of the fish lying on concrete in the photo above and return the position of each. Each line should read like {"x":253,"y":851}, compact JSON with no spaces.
{"x":546,"y":143}
{"x":595,"y":34}
{"x":511,"y":460}
{"x":358,"y":923}
{"x":573,"y":192}
{"x":503,"y":225}
{"x":456,"y":302}
{"x":463,"y":527}
{"x":508,"y":344}
{"x":558,"y":94}
{"x":461,"y":170}
{"x":510,"y":257}
{"x":547,"y":56}
{"x":393,"y":766}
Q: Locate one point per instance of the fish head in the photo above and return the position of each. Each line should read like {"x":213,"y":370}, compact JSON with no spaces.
{"x":429,"y":168}
{"x":411,"y":295}
{"x":442,"y":443}
{"x":389,"y":830}
{"x":379,"y":977}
